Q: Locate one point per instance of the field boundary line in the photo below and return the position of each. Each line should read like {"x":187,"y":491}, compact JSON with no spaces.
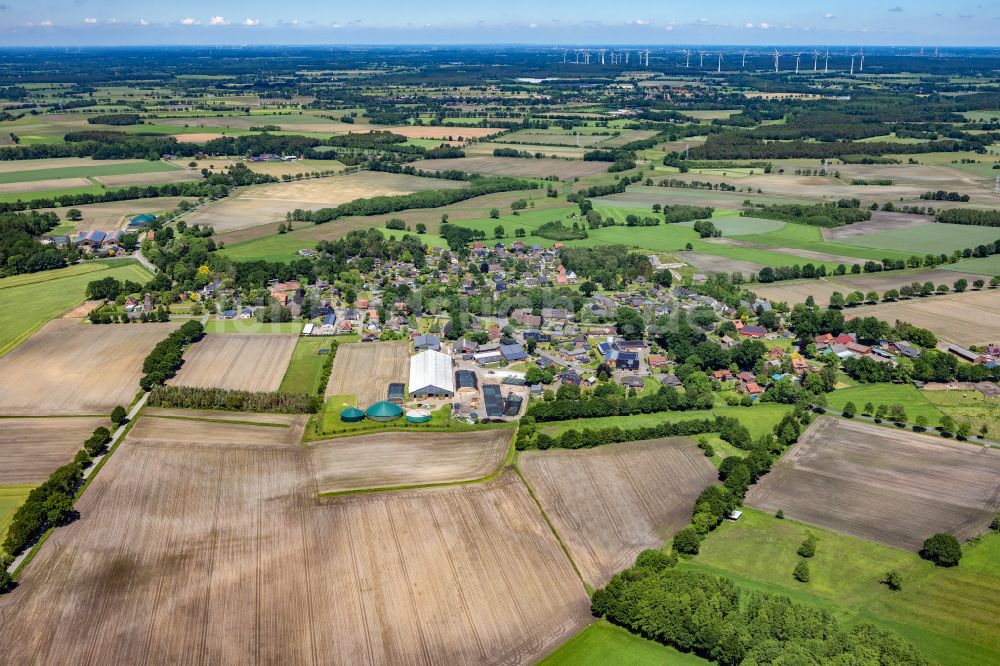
{"x":19,"y":564}
{"x":263,"y":424}
{"x":552,"y":528}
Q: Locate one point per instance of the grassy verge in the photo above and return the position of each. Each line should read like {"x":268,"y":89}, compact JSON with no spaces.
{"x":11,"y":498}
{"x":604,"y":643}
{"x":305,"y":370}
{"x":943,"y":612}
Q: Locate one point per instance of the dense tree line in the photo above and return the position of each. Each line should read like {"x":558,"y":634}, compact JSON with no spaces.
{"x":557,"y":231}
{"x":591,"y":437}
{"x":20,"y":252}
{"x":736,"y":146}
{"x":187,"y":397}
{"x":666,"y":399}
{"x":712,"y":617}
{"x":115,"y":119}
{"x":845,"y":211}
{"x":166,"y":357}
{"x":971,"y":216}
{"x":427,"y":199}
{"x":50,"y":503}
{"x":681,"y":213}
{"x":606,"y":264}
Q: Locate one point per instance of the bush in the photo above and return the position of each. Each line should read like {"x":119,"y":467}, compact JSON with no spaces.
{"x":850,"y":410}
{"x":942,"y":549}
{"x":808,"y":547}
{"x":801,"y":572}
{"x":893,"y":579}
{"x":687,"y":541}
{"x":780,"y":515}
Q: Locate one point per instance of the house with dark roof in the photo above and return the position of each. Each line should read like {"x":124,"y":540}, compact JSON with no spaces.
{"x":422,"y":342}
{"x":513,"y":352}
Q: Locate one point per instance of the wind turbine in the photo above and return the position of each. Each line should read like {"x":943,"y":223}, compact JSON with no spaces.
{"x":602,"y":56}
{"x":719,"y":70}
{"x":687,"y":57}
{"x":826,"y":64}
{"x":744,"y":65}
{"x":862,"y":53}
{"x":701,"y":59}
{"x":798,"y":57}
{"x":626,"y":56}
{"x":852,"y":63}
{"x":815,"y":61}
{"x":647,"y":57}
{"x":777,"y":55}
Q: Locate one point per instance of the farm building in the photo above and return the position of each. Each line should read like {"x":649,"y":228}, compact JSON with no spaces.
{"x":466,"y":381}
{"x":351,"y":415}
{"x":396,"y":392}
{"x":384,"y":411}
{"x":513,"y":352}
{"x":422,"y":342}
{"x":430,"y":374}
{"x":493,"y":400}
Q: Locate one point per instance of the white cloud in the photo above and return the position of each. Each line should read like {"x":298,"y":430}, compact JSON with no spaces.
{"x":532,"y":25}
{"x":46,"y":24}
{"x":760,"y":26}
{"x":90,"y":21}
{"x":828,"y":15}
{"x":251,"y":22}
{"x":189,"y":21}
{"x":639,"y":22}
{"x":143,"y":22}
{"x":217,"y":20}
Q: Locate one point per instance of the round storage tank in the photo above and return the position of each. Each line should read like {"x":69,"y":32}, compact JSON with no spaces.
{"x":384,"y":411}
{"x":352,"y":415}
{"x":418,"y":416}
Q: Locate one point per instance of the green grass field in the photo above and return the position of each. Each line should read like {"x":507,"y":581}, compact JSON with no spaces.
{"x":11,"y":497}
{"x":759,"y":419}
{"x":603,"y":643}
{"x":9,"y":197}
{"x":987,"y":266}
{"x":39,"y":297}
{"x":948,"y":614}
{"x":735,"y":225}
{"x":306,"y":367}
{"x":970,"y":407}
{"x":932,"y":237}
{"x":250,"y":326}
{"x":806,"y":237}
{"x":97,"y":169}
{"x":910,"y":397}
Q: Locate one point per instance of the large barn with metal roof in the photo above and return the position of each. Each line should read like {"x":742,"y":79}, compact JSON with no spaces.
{"x":430,"y":375}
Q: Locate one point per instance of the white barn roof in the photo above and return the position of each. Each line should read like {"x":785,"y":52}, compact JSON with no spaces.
{"x":431,"y":368}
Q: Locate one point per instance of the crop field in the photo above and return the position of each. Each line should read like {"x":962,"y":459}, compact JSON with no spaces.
{"x":797,"y":291}
{"x":179,"y":543}
{"x":365,"y":370}
{"x":558,"y":138}
{"x":931,"y":237}
{"x":31,"y":448}
{"x":262,"y":204}
{"x":157,"y":178}
{"x":882,"y":221}
{"x":247,"y":362}
{"x":734,"y":225}
{"x":38,"y":297}
{"x":76,"y":167}
{"x":486,"y":150}
{"x":611,"y":502}
{"x":890,"y":279}
{"x":849,"y":475}
{"x":431,"y":131}
{"x":245,"y":326}
{"x":68,"y":184}
{"x":968,"y":318}
{"x":196,"y":428}
{"x":710,"y":263}
{"x":515,"y":166}
{"x":407,"y":459}
{"x":72,"y":368}
{"x":116,"y":214}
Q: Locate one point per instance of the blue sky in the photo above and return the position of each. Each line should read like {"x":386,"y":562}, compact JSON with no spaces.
{"x":869,"y":22}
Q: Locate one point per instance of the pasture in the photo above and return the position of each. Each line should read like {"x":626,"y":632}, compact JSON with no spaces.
{"x":245,"y":326}
{"x":407,"y":459}
{"x":611,"y":502}
{"x":849,"y":475}
{"x":515,"y":166}
{"x":928,"y":238}
{"x":73,"y":368}
{"x":246,"y":362}
{"x":759,"y":552}
{"x":604,"y":643}
{"x":38,"y":297}
{"x":365,"y":370}
{"x":11,"y":498}
{"x":263,"y":204}
{"x":968,"y":318}
{"x":31,"y":448}
{"x":467,"y":574}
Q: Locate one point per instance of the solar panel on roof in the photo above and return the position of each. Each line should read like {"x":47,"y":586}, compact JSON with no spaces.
{"x":493,"y":400}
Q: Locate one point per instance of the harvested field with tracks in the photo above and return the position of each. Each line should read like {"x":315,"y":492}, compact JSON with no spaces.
{"x":611,"y":502}
{"x":156,"y":178}
{"x":968,"y":318}
{"x":68,"y":367}
{"x":710,"y":263}
{"x":515,"y":166}
{"x":798,"y":291}
{"x":183,"y":427}
{"x":30,"y":449}
{"x":394,"y":459}
{"x":180,"y":544}
{"x":262,"y":204}
{"x":243,"y":361}
{"x":890,"y":486}
{"x":365,"y":370}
